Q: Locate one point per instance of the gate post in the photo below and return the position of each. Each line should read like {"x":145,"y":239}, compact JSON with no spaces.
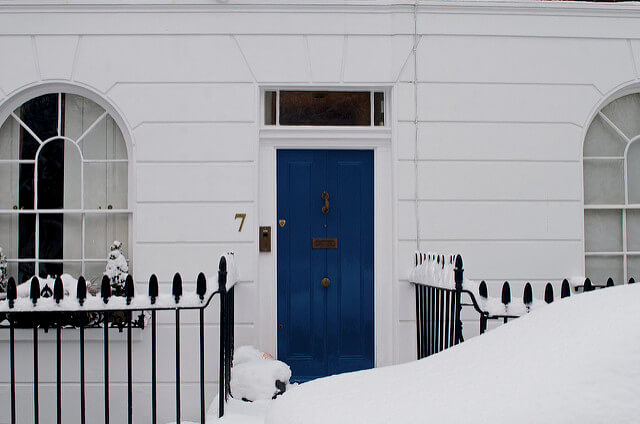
{"x":458,"y":278}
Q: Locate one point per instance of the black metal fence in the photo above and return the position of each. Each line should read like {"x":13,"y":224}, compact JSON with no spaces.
{"x":439,"y":306}
{"x":438,"y":311}
{"x":84,"y":312}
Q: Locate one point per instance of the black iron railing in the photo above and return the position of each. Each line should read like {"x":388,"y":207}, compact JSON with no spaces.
{"x":84,"y":311}
{"x":439,"y":303}
{"x":438,"y":311}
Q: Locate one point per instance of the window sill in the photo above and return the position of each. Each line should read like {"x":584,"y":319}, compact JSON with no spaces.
{"x":294,"y":132}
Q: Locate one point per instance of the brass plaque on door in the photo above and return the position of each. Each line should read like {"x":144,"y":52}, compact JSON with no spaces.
{"x":324,"y":243}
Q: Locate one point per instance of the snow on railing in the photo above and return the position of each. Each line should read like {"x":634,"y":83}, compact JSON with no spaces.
{"x":57,"y":303}
{"x":438,"y":279}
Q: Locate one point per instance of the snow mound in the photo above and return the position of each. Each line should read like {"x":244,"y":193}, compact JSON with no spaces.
{"x":574,"y":361}
{"x":254,"y":374}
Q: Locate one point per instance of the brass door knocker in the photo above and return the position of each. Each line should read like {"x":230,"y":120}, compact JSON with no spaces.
{"x":325,"y":197}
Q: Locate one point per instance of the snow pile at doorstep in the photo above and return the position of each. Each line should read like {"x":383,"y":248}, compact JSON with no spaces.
{"x":254,"y":374}
{"x":235,"y":412}
{"x":575,"y":361}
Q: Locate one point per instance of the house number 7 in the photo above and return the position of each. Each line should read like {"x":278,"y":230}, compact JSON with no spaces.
{"x":242,"y":216}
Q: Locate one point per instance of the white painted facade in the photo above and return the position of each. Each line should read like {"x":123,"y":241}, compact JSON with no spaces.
{"x":483,"y":142}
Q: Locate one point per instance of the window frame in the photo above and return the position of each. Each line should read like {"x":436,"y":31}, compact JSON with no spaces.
{"x":624,"y":207}
{"x":83,"y":211}
{"x":369,"y":89}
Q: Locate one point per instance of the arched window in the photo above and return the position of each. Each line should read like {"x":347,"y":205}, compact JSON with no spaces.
{"x":612,"y":192}
{"x":64,"y":187}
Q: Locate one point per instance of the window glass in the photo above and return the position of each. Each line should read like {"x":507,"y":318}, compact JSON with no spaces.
{"x":603,"y":230}
{"x":331,"y":108}
{"x":378,"y":109}
{"x":599,"y":268}
{"x":633,"y":231}
{"x":633,"y":266}
{"x":270,"y":99}
{"x":602,"y":140}
{"x":633,"y":172}
{"x":603,"y":182}
{"x":625,"y":114}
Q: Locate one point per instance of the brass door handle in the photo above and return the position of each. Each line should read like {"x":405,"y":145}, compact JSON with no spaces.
{"x":325,"y":197}
{"x":325,"y":282}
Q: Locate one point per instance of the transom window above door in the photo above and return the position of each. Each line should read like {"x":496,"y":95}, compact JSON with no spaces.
{"x":612,"y":192}
{"x":324,"y":108}
{"x":64,"y":196}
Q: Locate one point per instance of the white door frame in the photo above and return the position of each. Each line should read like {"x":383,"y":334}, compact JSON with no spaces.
{"x":376,"y":139}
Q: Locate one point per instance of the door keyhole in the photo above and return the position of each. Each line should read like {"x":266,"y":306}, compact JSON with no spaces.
{"x":325,"y":197}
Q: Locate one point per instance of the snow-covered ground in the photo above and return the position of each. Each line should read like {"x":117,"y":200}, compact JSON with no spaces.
{"x":574,"y":361}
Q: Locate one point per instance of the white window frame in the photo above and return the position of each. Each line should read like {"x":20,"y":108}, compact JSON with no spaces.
{"x":625,"y":253}
{"x":371,"y":91}
{"x":82,"y":211}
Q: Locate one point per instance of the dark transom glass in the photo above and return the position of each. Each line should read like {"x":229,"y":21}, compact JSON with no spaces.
{"x":327,"y":108}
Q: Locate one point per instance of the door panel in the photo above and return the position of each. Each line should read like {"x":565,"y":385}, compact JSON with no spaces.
{"x":350,"y":303}
{"x":325,"y":330}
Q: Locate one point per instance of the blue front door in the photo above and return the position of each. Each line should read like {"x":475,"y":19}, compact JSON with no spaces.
{"x":325,"y":327}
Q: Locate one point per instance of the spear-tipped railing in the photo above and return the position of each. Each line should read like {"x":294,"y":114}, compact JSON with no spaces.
{"x":439,"y":286}
{"x":53,"y":308}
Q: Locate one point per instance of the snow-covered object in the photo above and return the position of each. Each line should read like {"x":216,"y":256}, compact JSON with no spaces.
{"x":117,"y":268}
{"x":435,"y":270}
{"x":69,"y":284}
{"x":3,"y":271}
{"x":95,"y":303}
{"x":438,"y":270}
{"x":245,"y":354}
{"x":574,"y":361}
{"x":254,"y":374}
{"x":232,"y":270}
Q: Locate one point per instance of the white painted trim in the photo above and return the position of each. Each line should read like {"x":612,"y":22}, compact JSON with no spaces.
{"x":270,"y":142}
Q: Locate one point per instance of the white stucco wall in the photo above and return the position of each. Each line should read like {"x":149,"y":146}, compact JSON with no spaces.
{"x":504,"y":95}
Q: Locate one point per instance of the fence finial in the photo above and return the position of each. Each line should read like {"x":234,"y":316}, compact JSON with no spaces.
{"x":12,"y":291}
{"x":587,"y":285}
{"x":506,"y":293}
{"x":548,"y":293}
{"x":81,"y":290}
{"x":527,"y":296}
{"x":176,"y":287}
{"x":565,"y":290}
{"x":153,"y":288}
{"x":610,"y":282}
{"x":105,"y":288}
{"x":201,"y":286}
{"x":458,"y":271}
{"x":34,"y":291}
{"x":58,"y":289}
{"x":129,"y":291}
{"x":222,"y":275}
{"x":482,"y":290}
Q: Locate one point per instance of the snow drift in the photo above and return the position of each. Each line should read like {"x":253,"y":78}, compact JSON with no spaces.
{"x":575,"y":361}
